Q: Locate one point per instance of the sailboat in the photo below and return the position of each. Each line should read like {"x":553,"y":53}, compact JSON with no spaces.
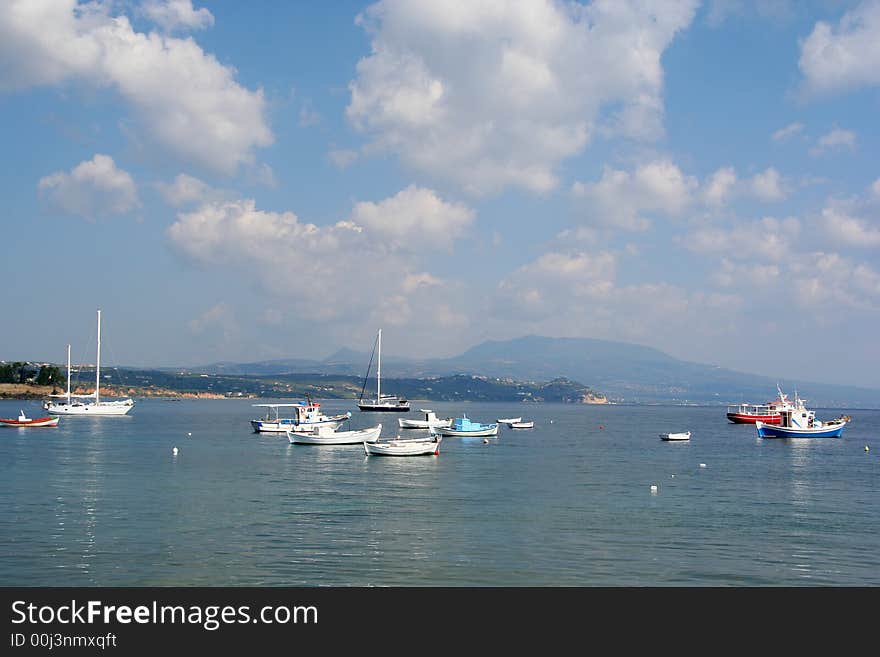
{"x":82,"y":404}
{"x":380,"y":403}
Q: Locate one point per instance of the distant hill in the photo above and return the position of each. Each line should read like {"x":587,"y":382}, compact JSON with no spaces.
{"x":622,"y":371}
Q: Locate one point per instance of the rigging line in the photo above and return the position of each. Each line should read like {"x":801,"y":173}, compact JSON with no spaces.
{"x":367,"y":375}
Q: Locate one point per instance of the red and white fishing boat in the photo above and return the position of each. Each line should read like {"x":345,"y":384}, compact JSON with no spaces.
{"x":769,"y":413}
{"x":24,"y":421}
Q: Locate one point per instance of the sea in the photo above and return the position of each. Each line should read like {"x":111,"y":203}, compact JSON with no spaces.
{"x":590,"y":497}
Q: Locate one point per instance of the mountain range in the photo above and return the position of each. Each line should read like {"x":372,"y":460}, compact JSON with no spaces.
{"x":622,"y":371}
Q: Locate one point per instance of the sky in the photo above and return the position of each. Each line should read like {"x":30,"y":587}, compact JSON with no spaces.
{"x":235,"y":181}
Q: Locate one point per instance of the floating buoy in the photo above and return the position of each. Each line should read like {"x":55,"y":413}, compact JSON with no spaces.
{"x":673,"y":476}
{"x":867,"y":449}
{"x":485,"y":441}
{"x":601,"y":427}
{"x":174,"y":451}
{"x":189,"y":433}
{"x":702,"y":465}
{"x":653,"y":488}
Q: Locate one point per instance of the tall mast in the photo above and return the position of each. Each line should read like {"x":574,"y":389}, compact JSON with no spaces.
{"x":98,"y":366}
{"x":379,"y":372}
{"x":68,"y":375}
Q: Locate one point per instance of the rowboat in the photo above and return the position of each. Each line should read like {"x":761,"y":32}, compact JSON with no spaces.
{"x":431,"y":420}
{"x":508,"y":420}
{"x":676,"y":436}
{"x":521,"y":425}
{"x":24,"y":421}
{"x":324,"y":435}
{"x":464,"y":427}
{"x":398,"y":447}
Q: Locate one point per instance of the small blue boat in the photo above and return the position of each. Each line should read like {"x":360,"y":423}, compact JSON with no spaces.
{"x":799,"y":422}
{"x":463,"y":426}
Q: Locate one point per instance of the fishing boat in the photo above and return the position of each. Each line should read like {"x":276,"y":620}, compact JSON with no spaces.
{"x":508,"y":420}
{"x":464,"y":427}
{"x":306,"y":416}
{"x":521,"y":425}
{"x":800,"y":422}
{"x":382,"y":403}
{"x":24,"y":421}
{"x":768,"y":413}
{"x":686,"y":435}
{"x":324,"y":435}
{"x":431,"y":420}
{"x":83,"y":404}
{"x":398,"y":447}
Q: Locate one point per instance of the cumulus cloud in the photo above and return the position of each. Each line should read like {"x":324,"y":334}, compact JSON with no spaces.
{"x":357,"y":271}
{"x":849,"y":230}
{"x":342,"y":158}
{"x":768,"y":185}
{"x":183,"y":99}
{"x":789,"y":131}
{"x":846,"y":56}
{"x":415,"y":219}
{"x":187,"y":190}
{"x":622,"y":198}
{"x":172,"y":15}
{"x":724,"y":185}
{"x":491,"y":95}
{"x":94,"y":188}
{"x":837,"y":139}
{"x":767,"y":238}
{"x":721,"y":186}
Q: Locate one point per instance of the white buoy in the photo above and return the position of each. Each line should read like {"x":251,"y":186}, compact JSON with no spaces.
{"x":673,"y":476}
{"x":702,"y":465}
{"x":174,"y":451}
{"x":485,"y":441}
{"x":189,"y":433}
{"x":867,"y":449}
{"x":653,"y":488}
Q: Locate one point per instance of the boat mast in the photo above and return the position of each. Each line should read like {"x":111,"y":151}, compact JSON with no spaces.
{"x":68,"y":375}
{"x":379,"y":372}
{"x":98,"y":365}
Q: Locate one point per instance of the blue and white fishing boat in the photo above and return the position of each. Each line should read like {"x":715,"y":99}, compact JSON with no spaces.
{"x":799,"y":422}
{"x":463,"y":426}
{"x":306,"y":417}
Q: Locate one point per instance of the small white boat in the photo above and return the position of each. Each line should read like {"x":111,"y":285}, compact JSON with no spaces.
{"x":465,"y":427}
{"x":686,"y":435}
{"x":431,"y":420}
{"x":522,"y":425}
{"x":325,"y":435}
{"x":398,"y":447}
{"x":509,"y":420}
{"x":24,"y":421}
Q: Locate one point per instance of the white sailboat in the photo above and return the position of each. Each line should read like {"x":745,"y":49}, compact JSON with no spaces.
{"x":380,"y":403}
{"x":82,"y":404}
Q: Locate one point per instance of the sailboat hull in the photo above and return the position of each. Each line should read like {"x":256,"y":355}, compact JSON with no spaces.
{"x":385,"y":408}
{"x":102,"y":408}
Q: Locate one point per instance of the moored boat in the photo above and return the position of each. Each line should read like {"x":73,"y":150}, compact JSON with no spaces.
{"x":306,"y":417}
{"x":800,"y":422}
{"x":465,"y":427}
{"x":431,"y":420}
{"x":685,"y":435}
{"x":24,"y":421}
{"x":398,"y":447}
{"x":508,"y":420}
{"x":521,"y":425}
{"x":324,"y":435}
{"x":769,"y":413}
{"x":382,"y":403}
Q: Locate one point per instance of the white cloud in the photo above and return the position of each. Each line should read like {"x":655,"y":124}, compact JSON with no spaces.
{"x":94,"y":188}
{"x":415,"y":219}
{"x":789,"y":131}
{"x":183,"y":98}
{"x":173,"y":15}
{"x":218,"y":320}
{"x":875,"y":188}
{"x":342,"y":158}
{"x":621,"y":198}
{"x":848,"y":230}
{"x":187,"y":190}
{"x":767,"y":238}
{"x":721,"y":186}
{"x":837,"y":139}
{"x":495,"y":94}
{"x":768,"y":185}
{"x":845,"y":57}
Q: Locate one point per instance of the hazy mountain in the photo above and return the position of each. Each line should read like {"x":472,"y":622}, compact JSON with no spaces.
{"x":627,"y":372}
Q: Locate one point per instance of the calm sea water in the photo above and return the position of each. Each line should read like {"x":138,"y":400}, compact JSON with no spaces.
{"x":103,"y":502}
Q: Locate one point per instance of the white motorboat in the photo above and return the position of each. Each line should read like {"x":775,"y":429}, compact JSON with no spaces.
{"x":676,"y":436}
{"x":382,"y":403}
{"x":398,"y":447}
{"x":324,"y":435}
{"x":431,"y":420}
{"x":307,"y":416}
{"x":521,"y":425}
{"x":82,"y":404}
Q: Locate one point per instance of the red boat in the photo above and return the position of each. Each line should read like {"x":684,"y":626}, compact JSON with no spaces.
{"x":24,"y":421}
{"x":769,"y":413}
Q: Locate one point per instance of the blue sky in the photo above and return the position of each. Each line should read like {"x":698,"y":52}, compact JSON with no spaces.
{"x":243,"y":181}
